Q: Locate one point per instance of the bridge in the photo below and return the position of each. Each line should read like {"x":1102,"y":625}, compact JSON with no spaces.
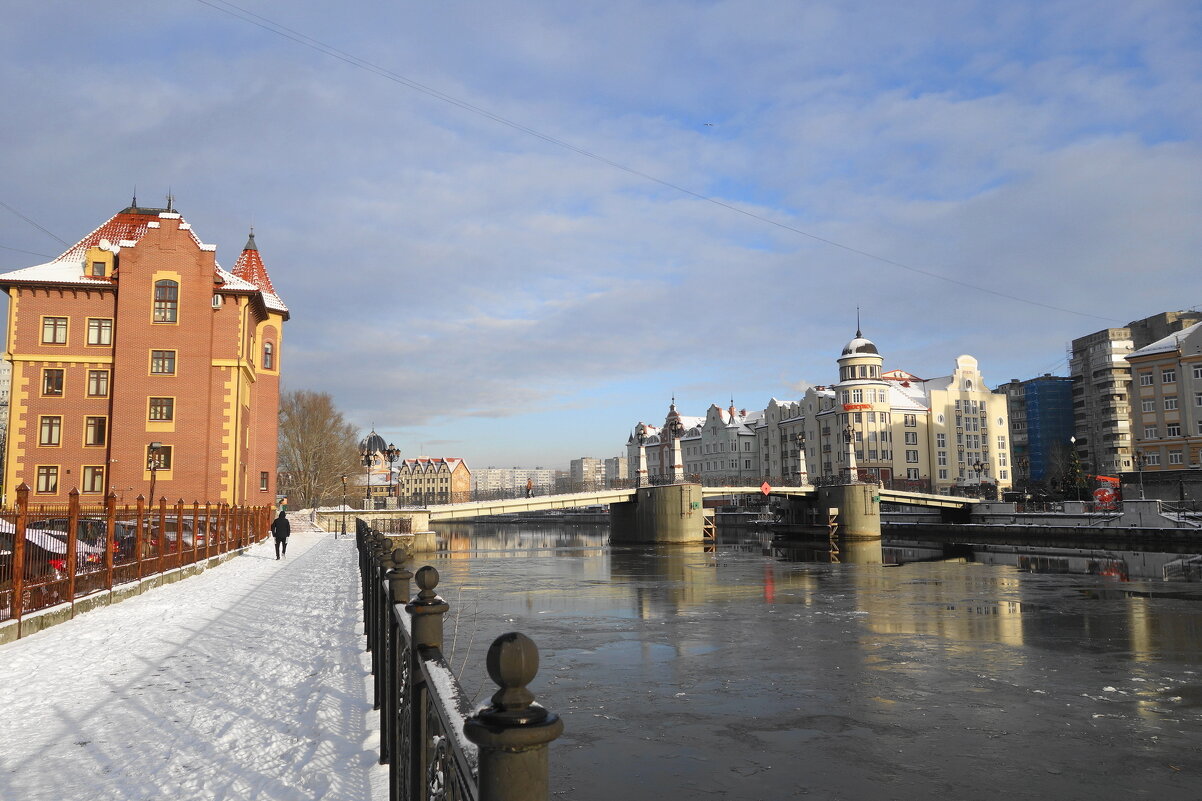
{"x":542,"y":503}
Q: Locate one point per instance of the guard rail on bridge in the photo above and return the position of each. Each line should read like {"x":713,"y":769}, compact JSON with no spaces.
{"x":434,"y":747}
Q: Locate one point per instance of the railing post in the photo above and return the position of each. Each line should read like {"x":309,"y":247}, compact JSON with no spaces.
{"x":18,"y":601}
{"x":110,"y":537}
{"x":140,"y":532}
{"x":513,"y":732}
{"x":426,"y":612}
{"x":72,"y":541}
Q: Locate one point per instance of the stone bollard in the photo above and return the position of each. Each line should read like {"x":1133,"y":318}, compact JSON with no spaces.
{"x":513,"y":732}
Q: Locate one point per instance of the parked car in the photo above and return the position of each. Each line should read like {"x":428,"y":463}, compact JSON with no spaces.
{"x":89,"y":539}
{"x":45,"y":553}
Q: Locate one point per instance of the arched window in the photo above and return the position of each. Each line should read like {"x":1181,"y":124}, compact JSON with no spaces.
{"x":166,"y":301}
{"x":268,"y":356}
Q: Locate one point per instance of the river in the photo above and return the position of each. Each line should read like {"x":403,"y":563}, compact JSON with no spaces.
{"x":749,"y":670}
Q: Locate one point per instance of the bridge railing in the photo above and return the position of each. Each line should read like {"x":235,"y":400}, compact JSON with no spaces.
{"x":434,"y":746}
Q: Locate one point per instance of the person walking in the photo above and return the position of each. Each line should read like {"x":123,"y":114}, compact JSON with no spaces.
{"x":280,"y":529}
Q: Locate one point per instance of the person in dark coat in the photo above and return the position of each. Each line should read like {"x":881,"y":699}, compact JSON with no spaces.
{"x":280,"y":529}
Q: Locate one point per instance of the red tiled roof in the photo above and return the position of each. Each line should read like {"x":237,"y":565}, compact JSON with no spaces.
{"x":250,"y":267}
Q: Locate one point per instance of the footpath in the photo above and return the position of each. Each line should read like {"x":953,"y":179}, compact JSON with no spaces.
{"x":245,"y":682}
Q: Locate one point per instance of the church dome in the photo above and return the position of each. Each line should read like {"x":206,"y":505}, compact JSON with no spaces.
{"x":373,"y":443}
{"x":859,"y":345}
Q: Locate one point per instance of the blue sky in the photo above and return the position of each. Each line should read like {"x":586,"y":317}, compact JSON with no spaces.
{"x":477,"y":291}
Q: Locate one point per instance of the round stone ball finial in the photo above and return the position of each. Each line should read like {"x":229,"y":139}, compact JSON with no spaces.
{"x":427,"y":580}
{"x":512,"y":664}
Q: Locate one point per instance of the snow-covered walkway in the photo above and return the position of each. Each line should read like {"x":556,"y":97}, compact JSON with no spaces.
{"x":244,"y":682}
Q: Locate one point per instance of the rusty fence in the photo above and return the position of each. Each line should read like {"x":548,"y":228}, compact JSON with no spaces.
{"x":434,"y":746}
{"x":43,"y":565}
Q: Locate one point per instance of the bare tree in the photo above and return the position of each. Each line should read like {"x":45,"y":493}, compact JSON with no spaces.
{"x":317,"y":448}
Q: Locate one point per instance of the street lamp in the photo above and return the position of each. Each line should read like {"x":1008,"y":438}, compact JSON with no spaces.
{"x":850,"y":450}
{"x":1072,"y":440}
{"x":152,"y":464}
{"x":979,"y":468}
{"x":367,"y":460}
{"x":391,"y":453}
{"x":343,"y":507}
{"x":1138,"y":457}
{"x":803,"y":473}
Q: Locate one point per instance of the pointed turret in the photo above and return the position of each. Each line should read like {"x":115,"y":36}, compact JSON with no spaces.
{"x":250,"y":266}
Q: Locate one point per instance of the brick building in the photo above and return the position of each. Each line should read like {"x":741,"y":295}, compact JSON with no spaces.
{"x":135,"y":349}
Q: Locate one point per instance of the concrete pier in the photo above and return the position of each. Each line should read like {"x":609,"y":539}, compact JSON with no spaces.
{"x":669,"y":513}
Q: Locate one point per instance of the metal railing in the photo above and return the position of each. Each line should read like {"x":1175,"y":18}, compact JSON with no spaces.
{"x":433,"y":746}
{"x":53,"y":554}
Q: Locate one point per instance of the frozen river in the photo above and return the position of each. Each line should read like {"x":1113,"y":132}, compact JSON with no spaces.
{"x":739,"y":671}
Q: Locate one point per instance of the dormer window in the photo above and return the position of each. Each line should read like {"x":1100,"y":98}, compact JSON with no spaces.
{"x":97,"y":269}
{"x":166,"y":301}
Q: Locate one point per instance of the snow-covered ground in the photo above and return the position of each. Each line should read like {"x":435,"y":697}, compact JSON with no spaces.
{"x":245,"y":682}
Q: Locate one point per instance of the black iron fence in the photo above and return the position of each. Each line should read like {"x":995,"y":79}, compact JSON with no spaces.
{"x":435,"y":748}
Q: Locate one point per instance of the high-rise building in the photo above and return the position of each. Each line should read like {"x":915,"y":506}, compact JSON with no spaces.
{"x":136,"y":359}
{"x":1041,"y":422}
{"x":1167,"y":401}
{"x":1101,"y":388}
{"x":586,"y":473}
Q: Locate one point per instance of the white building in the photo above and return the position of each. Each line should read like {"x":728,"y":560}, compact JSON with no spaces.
{"x":945,"y":435}
{"x":586,"y":473}
{"x":512,"y":480}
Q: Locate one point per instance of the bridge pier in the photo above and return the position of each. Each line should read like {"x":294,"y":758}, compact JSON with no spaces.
{"x":668,"y":513}
{"x":859,"y":505}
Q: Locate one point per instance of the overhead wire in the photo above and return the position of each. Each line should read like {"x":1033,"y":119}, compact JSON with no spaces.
{"x":304,"y":40}
{"x":34,"y":224}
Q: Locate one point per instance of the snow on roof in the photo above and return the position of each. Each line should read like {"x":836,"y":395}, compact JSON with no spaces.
{"x":1166,"y":344}
{"x":909,"y":397}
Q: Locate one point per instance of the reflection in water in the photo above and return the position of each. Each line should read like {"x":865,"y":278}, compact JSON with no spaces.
{"x":901,"y":670}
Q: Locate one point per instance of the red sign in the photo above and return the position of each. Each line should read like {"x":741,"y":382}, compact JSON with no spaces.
{"x":851,"y":407}
{"x":765,"y":488}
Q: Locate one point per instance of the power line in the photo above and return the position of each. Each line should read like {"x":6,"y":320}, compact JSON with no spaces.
{"x":29,"y":252}
{"x":35,"y":225}
{"x":304,"y":40}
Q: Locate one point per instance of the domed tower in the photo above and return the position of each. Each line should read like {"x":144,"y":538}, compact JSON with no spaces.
{"x":864,"y":399}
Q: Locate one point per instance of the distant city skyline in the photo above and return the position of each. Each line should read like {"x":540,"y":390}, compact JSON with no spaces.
{"x":978,"y":179}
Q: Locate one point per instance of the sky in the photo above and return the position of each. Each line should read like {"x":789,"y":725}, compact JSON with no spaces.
{"x":510,"y":231}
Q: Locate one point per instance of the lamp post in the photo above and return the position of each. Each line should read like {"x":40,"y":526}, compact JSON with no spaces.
{"x":152,"y":463}
{"x":343,"y":507}
{"x":640,"y":476}
{"x":391,"y":454}
{"x":979,"y":468}
{"x":1138,"y":456}
{"x":850,"y":456}
{"x":803,"y":473}
{"x":1076,"y":467}
{"x":367,"y":460}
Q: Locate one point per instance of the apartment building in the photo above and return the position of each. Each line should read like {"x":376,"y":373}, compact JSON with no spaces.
{"x":136,"y":359}
{"x":1167,"y":401}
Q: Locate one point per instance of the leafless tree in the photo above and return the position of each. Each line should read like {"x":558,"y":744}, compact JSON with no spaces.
{"x":317,"y":448}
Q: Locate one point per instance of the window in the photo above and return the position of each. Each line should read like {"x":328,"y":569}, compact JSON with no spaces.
{"x":93,"y":479}
{"x":857,"y":396}
{"x":1198,"y":399}
{"x":1170,"y":404}
{"x":162,"y":409}
{"x":911,"y":420}
{"x":162,"y":362}
{"x":912,"y":456}
{"x":1198,"y":372}
{"x":911,"y":437}
{"x":1149,"y":405}
{"x":1001,"y":444}
{"x":941,"y":440}
{"x":52,"y":381}
{"x":942,"y":457}
{"x":100,"y":331}
{"x":1172,"y":430}
{"x":1174,"y":457}
{"x":54,"y":330}
{"x":160,"y":459}
{"x":268,"y":356}
{"x":263,"y":481}
{"x":98,"y":383}
{"x":95,"y":430}
{"x":912,"y":472}
{"x":166,"y":301}
{"x":746,"y":464}
{"x":1145,"y":379}
{"x":98,"y":269}
{"x":943,"y":475}
{"x":1152,"y":458}
{"x":1168,"y":376}
{"x":50,"y":432}
{"x":1004,"y":475}
{"x":1149,"y":432}
{"x":47,"y":479}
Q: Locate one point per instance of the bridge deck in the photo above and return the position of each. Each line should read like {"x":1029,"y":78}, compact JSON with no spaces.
{"x":539,"y":503}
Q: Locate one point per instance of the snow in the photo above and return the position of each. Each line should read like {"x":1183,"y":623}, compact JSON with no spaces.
{"x":246,"y":681}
